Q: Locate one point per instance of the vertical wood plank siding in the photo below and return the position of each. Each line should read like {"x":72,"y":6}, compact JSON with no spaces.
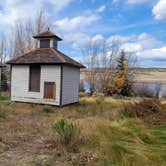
{"x":20,"y":84}
{"x":70,"y":86}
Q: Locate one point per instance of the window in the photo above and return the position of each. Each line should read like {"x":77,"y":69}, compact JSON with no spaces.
{"x":34,"y":78}
{"x":45,"y":43}
{"x":55,"y":44}
{"x":49,"y":90}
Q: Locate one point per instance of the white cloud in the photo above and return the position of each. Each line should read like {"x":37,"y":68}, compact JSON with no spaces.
{"x":79,"y":22}
{"x":97,"y":38}
{"x":149,"y":50}
{"x":119,"y":39}
{"x":13,"y":10}
{"x":135,"y":43}
{"x":60,"y":4}
{"x":147,"y":41}
{"x":101,"y":9}
{"x":157,"y":54}
{"x":131,"y":47}
{"x":159,"y":10}
{"x":136,"y":1}
{"x":81,"y":39}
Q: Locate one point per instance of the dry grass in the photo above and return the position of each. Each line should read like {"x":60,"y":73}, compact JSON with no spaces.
{"x":108,"y":138}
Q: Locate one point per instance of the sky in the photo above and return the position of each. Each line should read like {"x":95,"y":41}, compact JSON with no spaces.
{"x":139,"y":26}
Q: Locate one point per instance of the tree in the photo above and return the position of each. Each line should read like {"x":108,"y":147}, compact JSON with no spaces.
{"x":124,"y":78}
{"x":3,"y":49}
{"x":21,"y":40}
{"x":99,"y":57}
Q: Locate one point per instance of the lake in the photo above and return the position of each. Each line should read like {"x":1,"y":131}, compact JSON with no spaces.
{"x":153,"y":87}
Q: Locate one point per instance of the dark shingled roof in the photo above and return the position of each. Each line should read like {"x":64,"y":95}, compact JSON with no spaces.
{"x":45,"y":56}
{"x":47,"y":34}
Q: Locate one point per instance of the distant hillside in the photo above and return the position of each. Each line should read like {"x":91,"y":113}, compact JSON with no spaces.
{"x":147,"y":75}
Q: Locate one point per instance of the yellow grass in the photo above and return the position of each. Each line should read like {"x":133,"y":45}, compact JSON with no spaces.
{"x":108,"y":138}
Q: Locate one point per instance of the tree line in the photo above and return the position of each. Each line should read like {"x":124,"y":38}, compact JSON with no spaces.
{"x":19,"y":39}
{"x":108,"y":68}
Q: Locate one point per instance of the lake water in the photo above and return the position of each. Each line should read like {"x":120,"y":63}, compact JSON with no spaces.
{"x":153,"y":87}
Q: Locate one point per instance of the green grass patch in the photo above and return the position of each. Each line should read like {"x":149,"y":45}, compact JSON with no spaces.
{"x":2,"y":113}
{"x":47,"y":109}
{"x":3,"y":97}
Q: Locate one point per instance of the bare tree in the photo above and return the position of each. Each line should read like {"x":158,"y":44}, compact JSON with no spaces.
{"x":3,"y":49}
{"x":40,"y":24}
{"x":21,"y":40}
{"x":90,"y":51}
{"x":99,"y":58}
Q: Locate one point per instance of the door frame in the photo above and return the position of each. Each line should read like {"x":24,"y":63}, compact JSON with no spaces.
{"x":53,"y":90}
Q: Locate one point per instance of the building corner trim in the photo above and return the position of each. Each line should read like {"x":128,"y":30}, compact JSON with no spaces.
{"x":61,"y":85}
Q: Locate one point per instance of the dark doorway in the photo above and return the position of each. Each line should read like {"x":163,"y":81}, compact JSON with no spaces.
{"x":34,"y":78}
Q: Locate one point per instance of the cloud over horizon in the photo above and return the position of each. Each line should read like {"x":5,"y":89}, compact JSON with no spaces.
{"x":138,"y":25}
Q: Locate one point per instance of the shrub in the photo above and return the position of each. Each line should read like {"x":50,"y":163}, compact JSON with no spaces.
{"x":47,"y":109}
{"x":2,"y":113}
{"x":143,"y":108}
{"x":82,"y":94}
{"x":67,"y":133}
{"x":95,"y":94}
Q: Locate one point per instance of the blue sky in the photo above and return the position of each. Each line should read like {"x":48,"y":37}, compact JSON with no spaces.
{"x":138,"y":25}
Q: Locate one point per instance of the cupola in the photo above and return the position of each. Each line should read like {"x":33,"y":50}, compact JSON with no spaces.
{"x":47,"y":39}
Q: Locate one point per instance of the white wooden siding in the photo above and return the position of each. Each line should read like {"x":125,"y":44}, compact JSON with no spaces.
{"x":20,"y":84}
{"x":71,"y":79}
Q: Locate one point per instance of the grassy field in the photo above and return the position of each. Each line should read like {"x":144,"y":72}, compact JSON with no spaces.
{"x":107,"y":135}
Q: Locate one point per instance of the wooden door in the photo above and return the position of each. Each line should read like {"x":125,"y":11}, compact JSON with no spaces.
{"x":49,"y":90}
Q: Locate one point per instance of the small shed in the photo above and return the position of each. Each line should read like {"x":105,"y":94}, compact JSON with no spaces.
{"x":45,"y":75}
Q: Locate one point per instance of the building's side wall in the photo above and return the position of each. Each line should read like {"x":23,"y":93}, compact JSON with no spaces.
{"x":20,"y":84}
{"x":71,"y":79}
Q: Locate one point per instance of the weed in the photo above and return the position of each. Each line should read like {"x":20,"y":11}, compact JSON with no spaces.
{"x":3,"y":97}
{"x":8,"y":103}
{"x":67,"y":133}
{"x":47,"y":109}
{"x":2,"y":113}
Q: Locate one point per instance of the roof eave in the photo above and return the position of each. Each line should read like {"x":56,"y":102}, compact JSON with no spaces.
{"x":49,"y":63}
{"x":42,"y":37}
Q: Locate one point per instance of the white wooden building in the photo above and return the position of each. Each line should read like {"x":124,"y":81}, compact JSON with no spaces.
{"x":45,"y":75}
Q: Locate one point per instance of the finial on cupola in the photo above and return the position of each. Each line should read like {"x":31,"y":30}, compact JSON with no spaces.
{"x":48,"y":29}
